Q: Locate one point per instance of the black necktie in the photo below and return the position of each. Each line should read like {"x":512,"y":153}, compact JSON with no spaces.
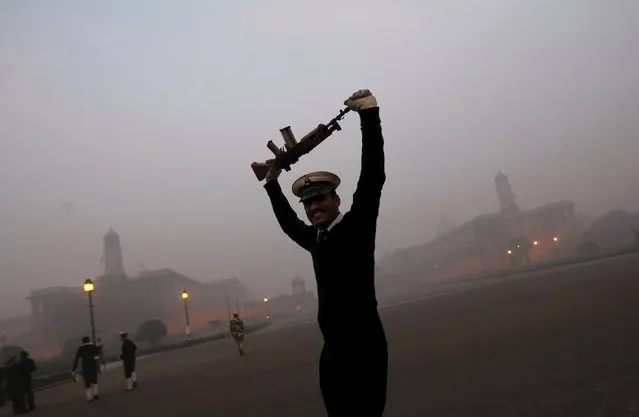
{"x":322,"y":235}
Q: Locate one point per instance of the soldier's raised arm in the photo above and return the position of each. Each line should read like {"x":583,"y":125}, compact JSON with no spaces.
{"x":303,"y":234}
{"x":366,"y":199}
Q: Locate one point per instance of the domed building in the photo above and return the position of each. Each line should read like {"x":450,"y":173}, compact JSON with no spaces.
{"x":124,"y":302}
{"x":489,"y":242}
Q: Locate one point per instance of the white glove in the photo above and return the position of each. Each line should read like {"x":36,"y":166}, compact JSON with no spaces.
{"x":273,"y":173}
{"x":360,"y":100}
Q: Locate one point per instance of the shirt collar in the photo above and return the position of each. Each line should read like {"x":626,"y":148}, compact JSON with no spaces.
{"x":333,"y":223}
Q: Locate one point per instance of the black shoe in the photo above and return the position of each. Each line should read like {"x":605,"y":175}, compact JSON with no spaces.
{"x":96,"y":397}
{"x":135,"y":384}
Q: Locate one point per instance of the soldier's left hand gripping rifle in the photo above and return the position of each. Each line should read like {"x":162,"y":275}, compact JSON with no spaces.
{"x":293,"y":150}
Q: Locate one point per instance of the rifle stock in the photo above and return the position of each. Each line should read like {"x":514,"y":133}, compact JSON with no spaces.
{"x":293,"y":150}
{"x":260,"y":169}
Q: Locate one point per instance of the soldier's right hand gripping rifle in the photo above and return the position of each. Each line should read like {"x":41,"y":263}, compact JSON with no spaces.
{"x":293,"y":150}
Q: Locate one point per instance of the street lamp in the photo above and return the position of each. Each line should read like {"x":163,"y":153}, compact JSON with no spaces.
{"x":268,"y":313}
{"x":88,"y":288}
{"x":185,"y":297}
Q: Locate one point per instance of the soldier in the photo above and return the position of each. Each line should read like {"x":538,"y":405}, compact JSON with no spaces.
{"x":27,"y":367}
{"x":1,"y":386}
{"x":354,"y":359}
{"x":127,"y":356}
{"x":237,"y":331}
{"x":15,"y":386}
{"x":88,"y":354}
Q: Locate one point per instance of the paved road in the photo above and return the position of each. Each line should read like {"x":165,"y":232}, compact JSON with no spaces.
{"x":553,"y":343}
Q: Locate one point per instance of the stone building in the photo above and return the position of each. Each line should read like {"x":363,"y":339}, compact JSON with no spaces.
{"x":123,"y":302}
{"x":300,"y":301}
{"x":490,"y":242}
{"x":14,"y":330}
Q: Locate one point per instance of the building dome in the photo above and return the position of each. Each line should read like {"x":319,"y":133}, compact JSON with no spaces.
{"x":111,"y":233}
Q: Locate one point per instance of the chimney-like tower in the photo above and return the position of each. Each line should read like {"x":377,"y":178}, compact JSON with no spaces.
{"x":507,"y":203}
{"x":113,"y":264}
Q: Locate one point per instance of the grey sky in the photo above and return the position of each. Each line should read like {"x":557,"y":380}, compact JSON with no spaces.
{"x":146,"y":114}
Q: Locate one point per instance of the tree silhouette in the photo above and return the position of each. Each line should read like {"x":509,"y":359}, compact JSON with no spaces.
{"x":151,"y":331}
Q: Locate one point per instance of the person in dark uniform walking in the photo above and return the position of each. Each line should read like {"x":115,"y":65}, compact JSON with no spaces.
{"x":1,"y":386}
{"x":354,"y":359}
{"x":127,"y":356}
{"x":15,"y":386}
{"x":89,"y":355}
{"x":27,"y":367}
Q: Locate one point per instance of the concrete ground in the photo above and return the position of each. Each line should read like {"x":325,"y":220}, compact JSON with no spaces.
{"x":563,"y":343}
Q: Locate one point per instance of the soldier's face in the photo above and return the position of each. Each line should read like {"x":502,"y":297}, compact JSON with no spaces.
{"x":322,"y":210}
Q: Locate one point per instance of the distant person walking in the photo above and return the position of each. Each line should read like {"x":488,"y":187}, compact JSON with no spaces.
{"x":237,"y":331}
{"x":2,"y":386}
{"x":128,"y":356}
{"x":15,"y":385}
{"x":88,"y":354}
{"x":27,"y":367}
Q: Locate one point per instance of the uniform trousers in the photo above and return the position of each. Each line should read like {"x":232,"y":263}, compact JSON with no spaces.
{"x":129,"y":367}
{"x":28,"y":390}
{"x":90,"y":376}
{"x":353,"y":377}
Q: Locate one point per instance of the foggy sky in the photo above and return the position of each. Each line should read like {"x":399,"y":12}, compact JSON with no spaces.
{"x":145,"y":115}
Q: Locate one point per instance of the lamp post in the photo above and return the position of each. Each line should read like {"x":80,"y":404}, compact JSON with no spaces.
{"x":185,"y":297}
{"x":268,"y":313}
{"x":88,"y":288}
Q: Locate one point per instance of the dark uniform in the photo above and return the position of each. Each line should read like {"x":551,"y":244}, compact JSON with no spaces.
{"x":27,"y":367}
{"x":354,"y":359}
{"x":127,"y":356}
{"x":88,"y":354}
{"x":15,"y":386}
{"x":2,"y":387}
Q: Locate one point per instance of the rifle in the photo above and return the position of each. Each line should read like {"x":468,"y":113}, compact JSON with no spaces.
{"x":293,"y":150}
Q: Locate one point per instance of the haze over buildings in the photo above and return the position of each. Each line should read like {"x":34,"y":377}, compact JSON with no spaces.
{"x":145,"y":116}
